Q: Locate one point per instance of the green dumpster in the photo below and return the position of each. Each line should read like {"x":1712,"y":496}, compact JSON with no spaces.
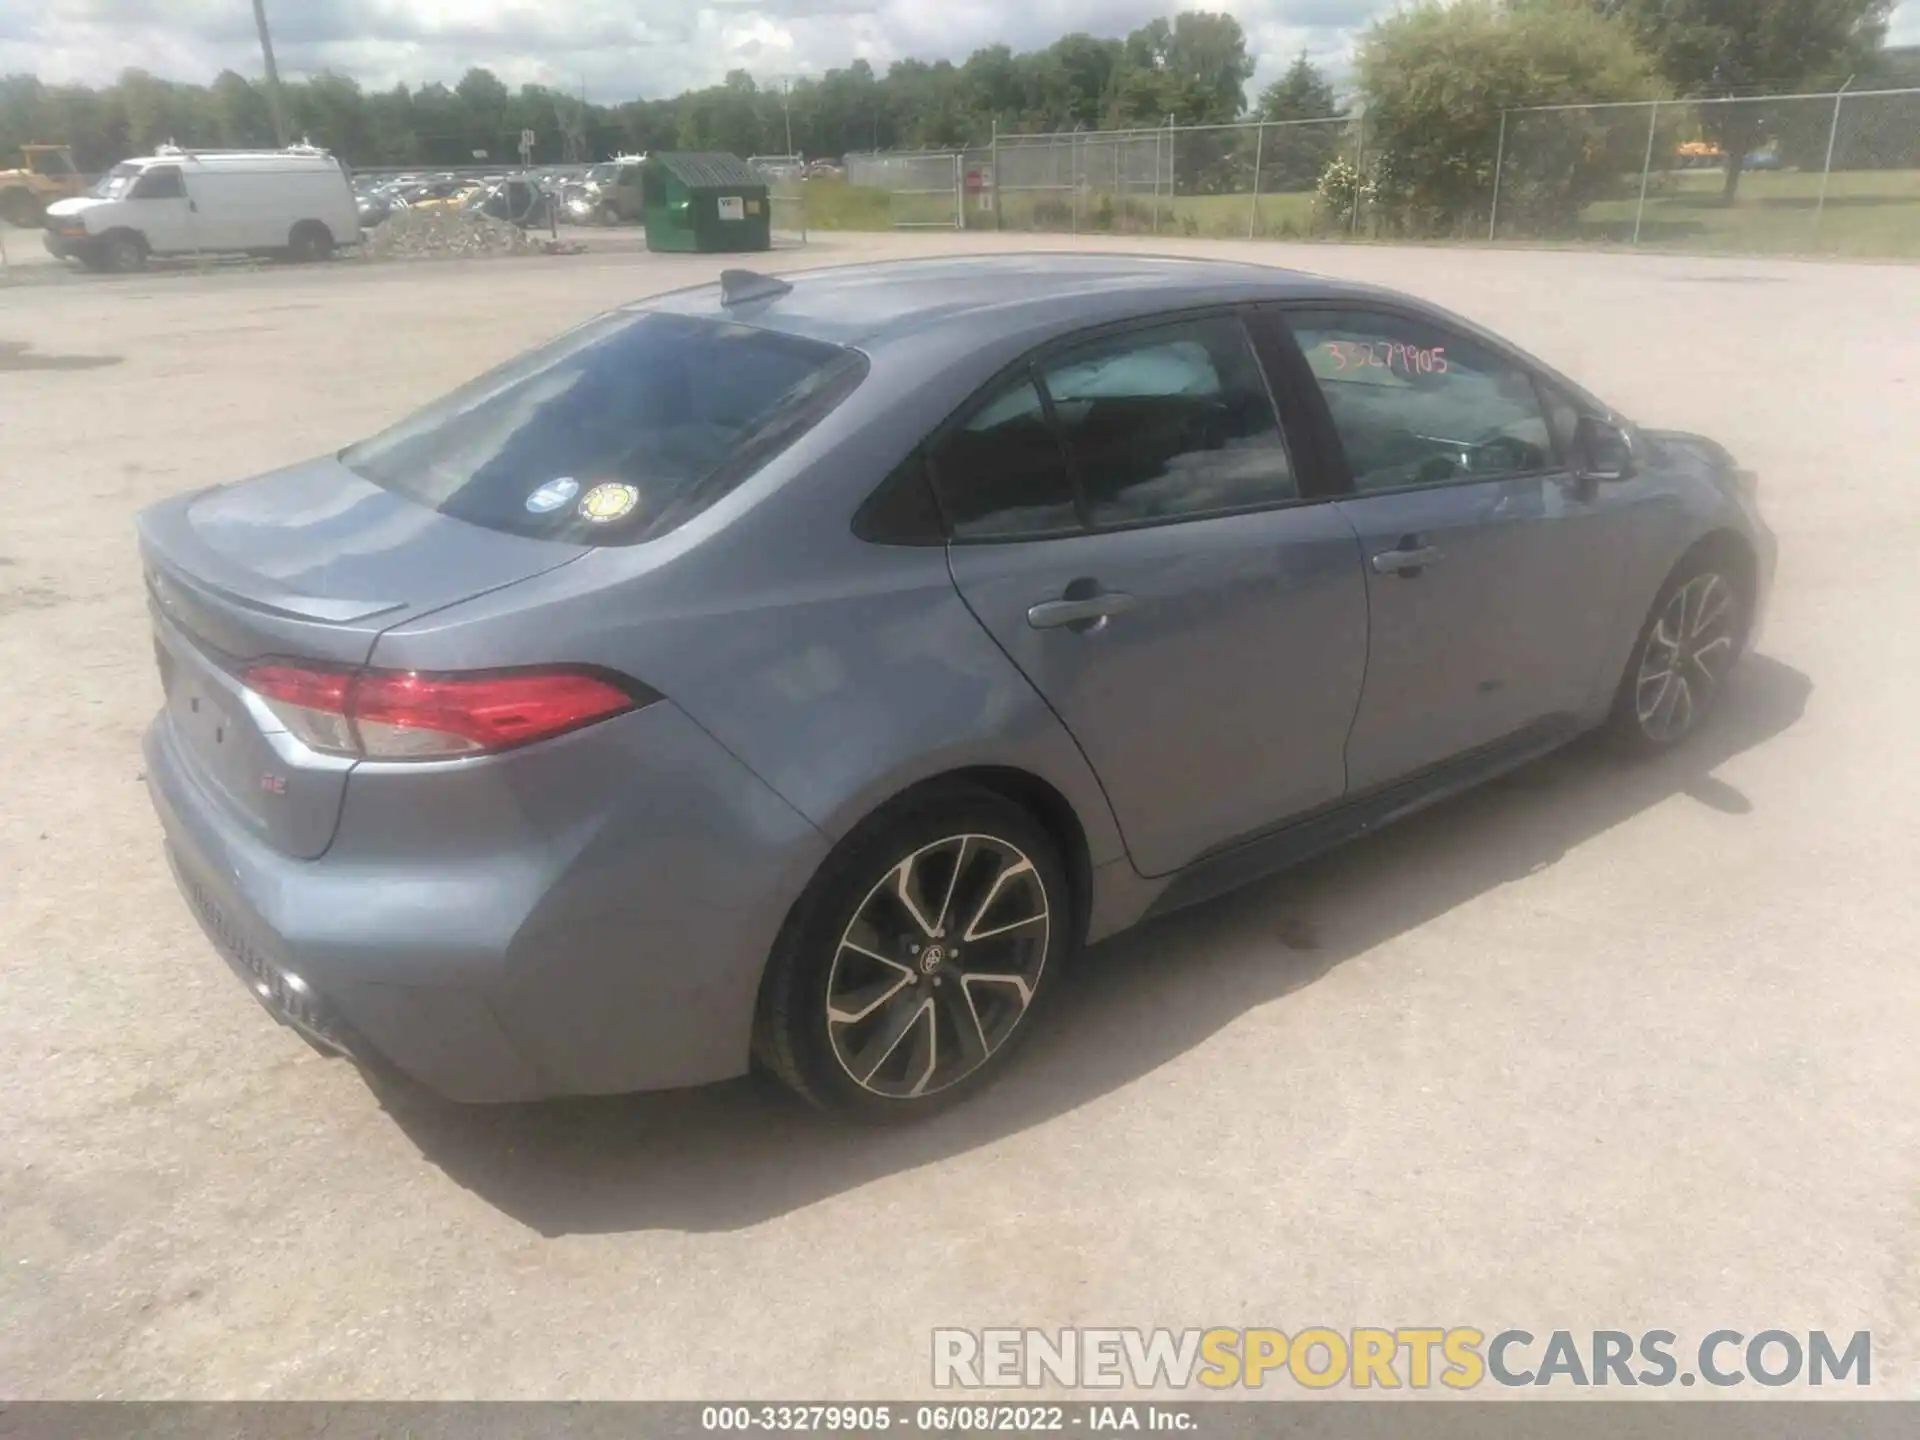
{"x":707,"y":202}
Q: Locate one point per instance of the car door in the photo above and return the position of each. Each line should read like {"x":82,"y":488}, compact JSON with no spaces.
{"x":1127,"y":520}
{"x":1492,"y":572}
{"x":162,"y":210}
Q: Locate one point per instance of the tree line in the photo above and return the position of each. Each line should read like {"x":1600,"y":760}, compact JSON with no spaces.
{"x":1432,"y":79}
{"x":1193,"y":67}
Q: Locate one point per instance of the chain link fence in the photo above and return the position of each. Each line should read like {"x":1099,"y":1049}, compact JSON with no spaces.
{"x":1246,"y":181}
{"x":787,"y":208}
{"x":926,"y":189}
{"x":1833,"y":173}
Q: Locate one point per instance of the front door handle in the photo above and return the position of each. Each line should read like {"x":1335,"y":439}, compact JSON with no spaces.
{"x":1407,"y":560}
{"x":1085,"y":612}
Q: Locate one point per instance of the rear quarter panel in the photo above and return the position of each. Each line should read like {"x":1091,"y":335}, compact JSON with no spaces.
{"x":838,"y":671}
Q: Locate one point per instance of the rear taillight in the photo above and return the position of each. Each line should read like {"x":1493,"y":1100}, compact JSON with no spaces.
{"x":403,"y":715}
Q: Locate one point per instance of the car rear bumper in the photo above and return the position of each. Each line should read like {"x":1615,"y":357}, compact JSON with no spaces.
{"x":512,"y":944}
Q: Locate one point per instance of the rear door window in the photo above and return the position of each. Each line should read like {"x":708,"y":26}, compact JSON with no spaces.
{"x":1000,"y":473}
{"x":1170,"y":422}
{"x":616,"y":431}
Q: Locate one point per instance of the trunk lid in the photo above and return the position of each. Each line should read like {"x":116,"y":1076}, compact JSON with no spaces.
{"x":311,"y":563}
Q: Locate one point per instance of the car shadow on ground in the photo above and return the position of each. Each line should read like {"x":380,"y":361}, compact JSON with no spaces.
{"x":736,"y":1154}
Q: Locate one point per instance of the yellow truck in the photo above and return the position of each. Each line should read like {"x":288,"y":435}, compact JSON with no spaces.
{"x":46,"y":174}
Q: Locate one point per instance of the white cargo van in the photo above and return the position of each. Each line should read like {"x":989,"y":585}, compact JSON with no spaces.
{"x":296,"y":202}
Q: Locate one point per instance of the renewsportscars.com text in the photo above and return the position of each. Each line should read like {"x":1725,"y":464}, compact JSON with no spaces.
{"x":1411,"y":1357}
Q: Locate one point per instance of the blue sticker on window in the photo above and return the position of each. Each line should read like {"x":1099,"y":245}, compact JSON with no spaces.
{"x":553,"y":494}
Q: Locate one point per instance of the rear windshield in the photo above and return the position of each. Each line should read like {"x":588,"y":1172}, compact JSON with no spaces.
{"x":615,"y":432}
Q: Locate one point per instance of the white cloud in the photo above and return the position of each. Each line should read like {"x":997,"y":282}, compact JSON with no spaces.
{"x":619,"y":49}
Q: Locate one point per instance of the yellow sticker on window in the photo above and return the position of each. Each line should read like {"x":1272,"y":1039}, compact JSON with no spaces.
{"x":604,"y":503}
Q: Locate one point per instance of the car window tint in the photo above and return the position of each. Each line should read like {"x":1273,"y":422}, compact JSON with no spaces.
{"x":159,"y":182}
{"x":1170,"y":422}
{"x":612,"y":432}
{"x":1418,"y":405}
{"x":1000,"y":474}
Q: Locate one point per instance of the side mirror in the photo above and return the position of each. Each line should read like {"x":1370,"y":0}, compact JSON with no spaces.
{"x":1603,"y":451}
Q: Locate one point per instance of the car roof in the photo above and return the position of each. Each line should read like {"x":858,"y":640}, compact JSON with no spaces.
{"x":872,"y":306}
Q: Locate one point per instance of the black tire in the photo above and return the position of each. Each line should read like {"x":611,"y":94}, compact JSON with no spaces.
{"x":122,"y":252}
{"x":1692,"y":637}
{"x":850,"y":939}
{"x":310,"y":243}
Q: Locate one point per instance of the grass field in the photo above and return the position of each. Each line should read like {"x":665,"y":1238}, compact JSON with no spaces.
{"x":1867,"y":213}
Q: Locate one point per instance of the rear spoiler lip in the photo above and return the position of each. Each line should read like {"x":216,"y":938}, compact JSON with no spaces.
{"x":168,"y":546}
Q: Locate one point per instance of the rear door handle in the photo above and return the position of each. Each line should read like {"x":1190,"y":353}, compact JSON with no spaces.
{"x":1085,"y":613}
{"x":1404,"y":561}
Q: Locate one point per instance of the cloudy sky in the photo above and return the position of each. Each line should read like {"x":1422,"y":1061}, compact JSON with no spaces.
{"x":617,"y":48}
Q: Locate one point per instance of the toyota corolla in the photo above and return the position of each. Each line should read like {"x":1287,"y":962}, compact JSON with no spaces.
{"x":796,"y":673}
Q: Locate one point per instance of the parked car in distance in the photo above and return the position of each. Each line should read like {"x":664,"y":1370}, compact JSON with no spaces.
{"x":797,"y":673}
{"x":375,"y":205}
{"x":296,"y":202}
{"x":445,"y":194}
{"x":577,"y":204}
{"x":614,"y":188}
{"x":516,"y":201}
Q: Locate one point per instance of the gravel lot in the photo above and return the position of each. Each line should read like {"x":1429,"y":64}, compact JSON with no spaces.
{"x":1598,"y":1047}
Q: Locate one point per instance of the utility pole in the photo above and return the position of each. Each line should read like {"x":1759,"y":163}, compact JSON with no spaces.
{"x":274,"y":102}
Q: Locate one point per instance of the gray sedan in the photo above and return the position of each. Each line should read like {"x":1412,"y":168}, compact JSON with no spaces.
{"x":797,"y":673}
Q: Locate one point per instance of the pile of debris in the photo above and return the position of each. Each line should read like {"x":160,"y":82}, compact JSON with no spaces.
{"x":445,"y":235}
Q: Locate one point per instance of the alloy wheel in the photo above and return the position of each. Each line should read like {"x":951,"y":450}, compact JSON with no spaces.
{"x":938,"y":966}
{"x":1688,"y":653}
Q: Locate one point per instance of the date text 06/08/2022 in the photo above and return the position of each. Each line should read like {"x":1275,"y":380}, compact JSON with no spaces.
{"x":944,"y":1419}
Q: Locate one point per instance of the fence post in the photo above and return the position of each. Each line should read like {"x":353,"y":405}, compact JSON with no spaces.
{"x":1499,"y":163}
{"x":959,"y":189}
{"x":1253,"y":210}
{"x":1173,"y":169}
{"x":993,"y":171}
{"x":1646,"y":169}
{"x":1157,"y":167}
{"x":1360,"y":168}
{"x":1826,"y":170}
{"x":1075,"y":157}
